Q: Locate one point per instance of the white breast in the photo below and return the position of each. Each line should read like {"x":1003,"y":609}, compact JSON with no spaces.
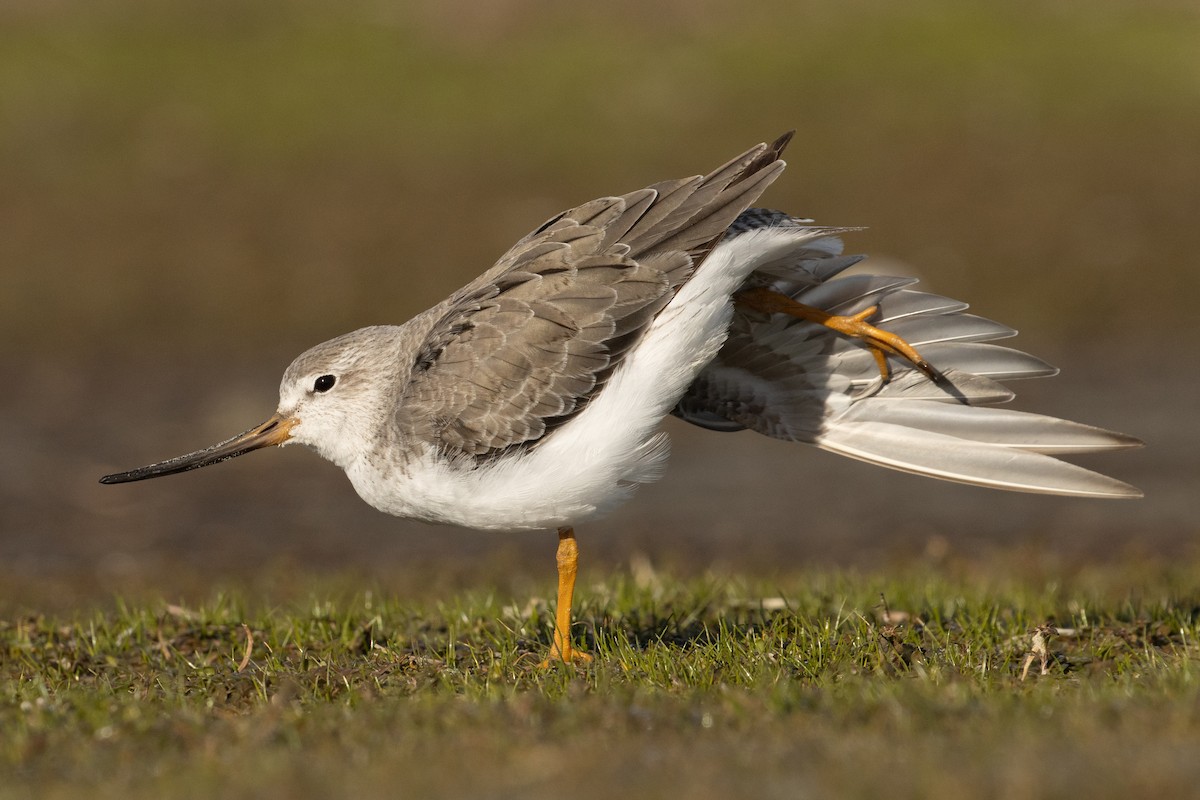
{"x":596,"y":460}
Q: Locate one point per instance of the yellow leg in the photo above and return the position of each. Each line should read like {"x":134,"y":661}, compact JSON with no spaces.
{"x":881,"y":343}
{"x":568,"y":566}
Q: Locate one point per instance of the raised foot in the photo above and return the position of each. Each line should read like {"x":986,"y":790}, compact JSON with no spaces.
{"x":879,"y":342}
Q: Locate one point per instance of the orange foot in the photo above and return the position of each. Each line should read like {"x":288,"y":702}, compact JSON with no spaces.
{"x":568,"y":565}
{"x":567,"y":656}
{"x":879,"y":342}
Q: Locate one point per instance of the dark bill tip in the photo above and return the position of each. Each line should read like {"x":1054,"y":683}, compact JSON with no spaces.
{"x":274,"y":431}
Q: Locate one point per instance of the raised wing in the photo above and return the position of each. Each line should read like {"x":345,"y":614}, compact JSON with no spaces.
{"x":799,"y":381}
{"x":523,"y":348}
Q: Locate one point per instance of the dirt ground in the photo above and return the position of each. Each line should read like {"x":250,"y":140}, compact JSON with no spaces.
{"x":728,"y":501}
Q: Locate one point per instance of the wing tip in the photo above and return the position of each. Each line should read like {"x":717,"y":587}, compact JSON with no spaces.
{"x":950,"y":458}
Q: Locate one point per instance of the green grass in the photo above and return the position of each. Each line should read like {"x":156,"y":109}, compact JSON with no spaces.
{"x":825,"y":684}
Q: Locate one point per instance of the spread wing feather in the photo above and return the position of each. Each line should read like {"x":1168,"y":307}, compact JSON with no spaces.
{"x":799,"y":381}
{"x":524,"y":347}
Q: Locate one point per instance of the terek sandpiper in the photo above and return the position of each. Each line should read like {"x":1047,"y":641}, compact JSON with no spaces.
{"x":532,"y":397}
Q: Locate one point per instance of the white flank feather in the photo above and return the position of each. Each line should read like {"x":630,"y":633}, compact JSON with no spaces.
{"x":595,"y":461}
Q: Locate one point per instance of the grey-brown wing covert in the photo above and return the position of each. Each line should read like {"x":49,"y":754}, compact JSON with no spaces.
{"x":524,"y":347}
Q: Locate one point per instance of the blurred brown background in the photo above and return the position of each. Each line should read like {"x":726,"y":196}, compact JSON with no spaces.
{"x":191,"y":193}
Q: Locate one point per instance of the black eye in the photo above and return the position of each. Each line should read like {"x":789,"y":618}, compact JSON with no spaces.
{"x":324,"y":383}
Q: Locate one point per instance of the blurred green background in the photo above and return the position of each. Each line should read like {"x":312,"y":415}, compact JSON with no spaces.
{"x":198,"y":174}
{"x":192,"y":193}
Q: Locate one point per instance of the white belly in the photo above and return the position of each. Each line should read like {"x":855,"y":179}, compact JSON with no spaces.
{"x":594,"y":462}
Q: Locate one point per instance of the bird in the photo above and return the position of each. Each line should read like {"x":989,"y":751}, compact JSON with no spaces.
{"x":533,"y":397}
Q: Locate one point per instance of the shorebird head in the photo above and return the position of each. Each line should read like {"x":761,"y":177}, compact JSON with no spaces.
{"x":332,"y":398}
{"x":337,"y":394}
